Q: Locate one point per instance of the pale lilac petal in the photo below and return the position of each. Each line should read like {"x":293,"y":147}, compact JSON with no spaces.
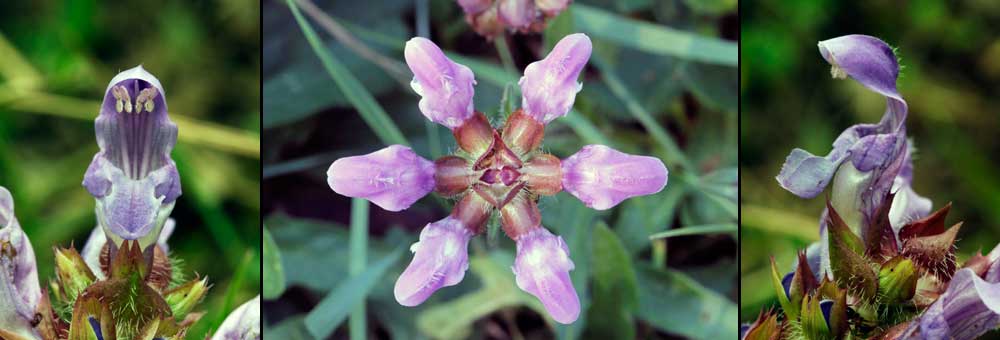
{"x":19,"y":288}
{"x":549,"y":86}
{"x":392,"y":178}
{"x":242,"y":324}
{"x":133,"y":177}
{"x":474,"y":6}
{"x":518,"y":14}
{"x":440,"y":259}
{"x":907,"y":205}
{"x":542,"y":269}
{"x":445,"y":87}
{"x":602,"y":177}
{"x":969,"y":308}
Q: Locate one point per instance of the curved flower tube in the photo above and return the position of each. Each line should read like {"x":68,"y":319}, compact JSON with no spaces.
{"x":867,"y":160}
{"x":133,"y":177}
{"x":19,"y":289}
{"x":242,"y":324}
{"x":499,"y":170}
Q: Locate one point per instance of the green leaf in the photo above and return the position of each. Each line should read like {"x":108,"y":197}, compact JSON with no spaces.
{"x":293,"y":328}
{"x":573,"y":222}
{"x":697,"y":230}
{"x":654,"y":38}
{"x":333,"y":309}
{"x":615,"y":291}
{"x":675,"y":303}
{"x":370,"y":110}
{"x":274,"y":274}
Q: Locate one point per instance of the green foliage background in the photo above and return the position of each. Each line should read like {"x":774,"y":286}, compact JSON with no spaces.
{"x":56,"y":58}
{"x":950,"y":53}
{"x":662,"y":82}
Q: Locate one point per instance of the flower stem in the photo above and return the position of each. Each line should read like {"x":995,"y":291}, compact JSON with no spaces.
{"x":505,"y":56}
{"x":358,"y":246}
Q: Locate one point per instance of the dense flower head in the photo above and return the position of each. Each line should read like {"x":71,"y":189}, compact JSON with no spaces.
{"x":498,"y":170}
{"x":490,"y":18}
{"x":133,"y":177}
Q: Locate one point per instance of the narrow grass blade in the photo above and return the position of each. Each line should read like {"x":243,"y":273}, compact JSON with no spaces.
{"x":371,"y":112}
{"x":654,"y":38}
{"x":697,"y":230}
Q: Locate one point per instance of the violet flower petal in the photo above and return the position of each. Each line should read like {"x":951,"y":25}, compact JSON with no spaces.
{"x":242,"y":324}
{"x":551,"y":7}
{"x":19,"y":288}
{"x":392,"y":178}
{"x":549,"y":86}
{"x":602,"y":177}
{"x":517,"y":14}
{"x":969,"y":308}
{"x":542,"y":269}
{"x":133,"y":178}
{"x":440,"y":259}
{"x":445,"y":87}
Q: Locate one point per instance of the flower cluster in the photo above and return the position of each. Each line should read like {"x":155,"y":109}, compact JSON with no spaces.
{"x":884,"y":266}
{"x":124,"y":284}
{"x":490,"y":18}
{"x":496,"y":171}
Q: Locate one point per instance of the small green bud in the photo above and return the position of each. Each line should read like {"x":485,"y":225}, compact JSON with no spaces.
{"x":184,"y":298}
{"x":73,"y":273}
{"x":897,"y":280}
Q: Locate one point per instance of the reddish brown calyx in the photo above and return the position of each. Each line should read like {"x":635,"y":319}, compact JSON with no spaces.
{"x":519,"y":216}
{"x":475,"y":135}
{"x":522,"y":133}
{"x":543,"y":174}
{"x":452,"y":176}
{"x":473,"y":211}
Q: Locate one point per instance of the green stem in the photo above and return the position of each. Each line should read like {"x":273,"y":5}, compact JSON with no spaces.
{"x":660,"y":253}
{"x":505,"y":56}
{"x":358,"y":247}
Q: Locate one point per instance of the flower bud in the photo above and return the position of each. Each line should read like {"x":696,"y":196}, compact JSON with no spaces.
{"x":445,"y":87}
{"x":549,"y":86}
{"x":184,"y":298}
{"x":72,"y":272}
{"x":517,"y":14}
{"x":897,"y":280}
{"x":602,"y":177}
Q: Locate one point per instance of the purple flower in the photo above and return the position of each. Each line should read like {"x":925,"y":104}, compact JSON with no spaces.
{"x":440,"y":259}
{"x":490,"y":18}
{"x":132,"y":177}
{"x":392,"y":178}
{"x":542,"y":269}
{"x":549,"y":85}
{"x":968,"y":308}
{"x":444,"y":86}
{"x":498,"y":170}
{"x":242,"y":324}
{"x":868,"y":160}
{"x":19,"y":289}
{"x":602,"y":177}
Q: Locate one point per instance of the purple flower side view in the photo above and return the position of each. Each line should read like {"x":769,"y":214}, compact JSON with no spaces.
{"x":19,"y":289}
{"x":868,"y":160}
{"x":498,"y":170}
{"x":133,"y":178}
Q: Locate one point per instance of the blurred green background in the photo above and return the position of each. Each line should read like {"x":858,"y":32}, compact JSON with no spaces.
{"x":56,"y":58}
{"x":661,"y":82}
{"x":950,"y":53}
